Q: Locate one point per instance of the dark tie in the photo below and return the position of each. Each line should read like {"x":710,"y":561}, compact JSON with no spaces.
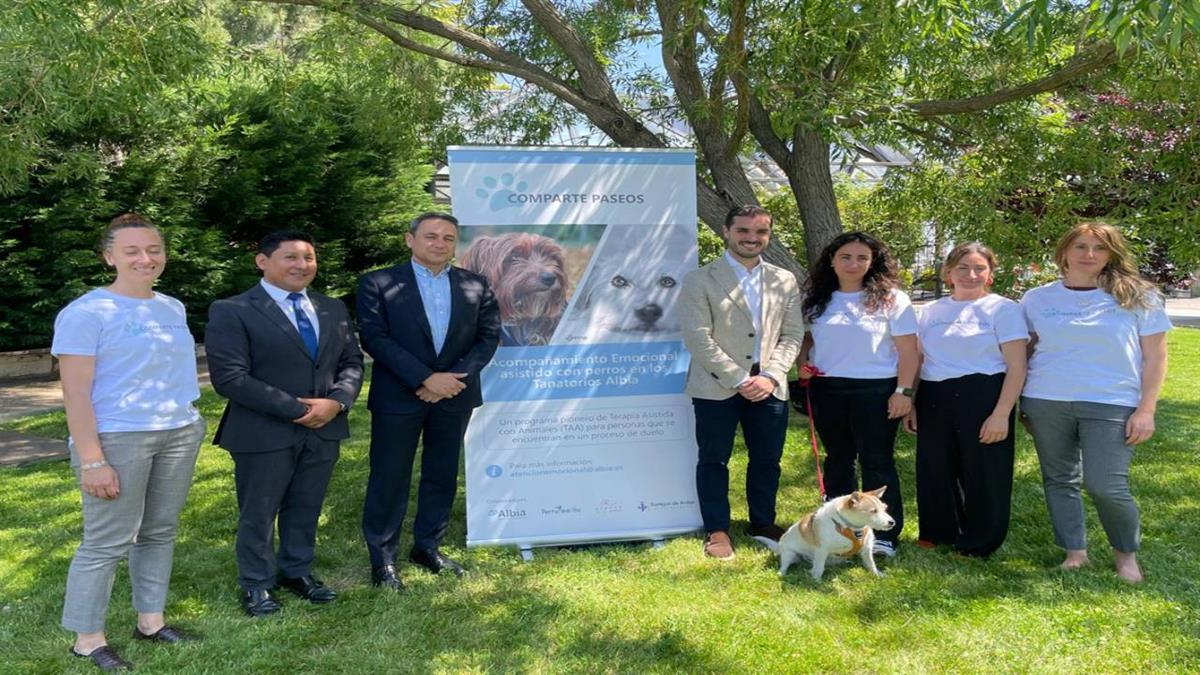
{"x":307,"y":332}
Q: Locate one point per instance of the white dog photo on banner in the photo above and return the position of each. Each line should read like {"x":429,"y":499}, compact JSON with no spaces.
{"x":630,"y":291}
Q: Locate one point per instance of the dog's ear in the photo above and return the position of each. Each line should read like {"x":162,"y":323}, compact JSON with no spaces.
{"x":855,"y":498}
{"x":878,"y":493}
{"x":484,"y":256}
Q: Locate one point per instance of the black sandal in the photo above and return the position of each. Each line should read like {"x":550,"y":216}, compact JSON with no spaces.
{"x":105,"y":658}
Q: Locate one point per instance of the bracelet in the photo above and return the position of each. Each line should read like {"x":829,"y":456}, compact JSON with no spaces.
{"x":93,"y":465}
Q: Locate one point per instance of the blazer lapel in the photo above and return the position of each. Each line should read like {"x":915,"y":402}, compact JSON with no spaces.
{"x":728,"y":281}
{"x":263,"y":303}
{"x":325,"y":322}
{"x":408,"y":285}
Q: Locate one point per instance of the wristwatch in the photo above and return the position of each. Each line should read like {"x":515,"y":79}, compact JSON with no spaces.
{"x":907,"y":391}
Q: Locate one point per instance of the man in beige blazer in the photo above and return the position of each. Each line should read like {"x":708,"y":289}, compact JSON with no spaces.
{"x":742,"y":324}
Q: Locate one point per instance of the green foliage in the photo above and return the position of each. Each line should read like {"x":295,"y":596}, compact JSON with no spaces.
{"x":1122,"y":148}
{"x":274,"y":120}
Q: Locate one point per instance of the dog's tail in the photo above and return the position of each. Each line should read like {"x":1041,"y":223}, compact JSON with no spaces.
{"x":769,"y":543}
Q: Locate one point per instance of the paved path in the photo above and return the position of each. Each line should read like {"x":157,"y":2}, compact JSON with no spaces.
{"x":32,"y":398}
{"x":23,"y":399}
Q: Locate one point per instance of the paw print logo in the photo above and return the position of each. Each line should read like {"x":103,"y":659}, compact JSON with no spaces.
{"x":497,"y":191}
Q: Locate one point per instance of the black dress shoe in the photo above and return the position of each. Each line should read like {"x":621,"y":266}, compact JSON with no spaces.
{"x":260,"y":603}
{"x":105,"y":658}
{"x":310,"y":588}
{"x":168,"y":634}
{"x":385,"y":575}
{"x":433,"y":560}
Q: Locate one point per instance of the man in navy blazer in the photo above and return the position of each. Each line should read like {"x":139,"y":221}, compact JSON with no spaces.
{"x":286,"y":358}
{"x":431,"y":328}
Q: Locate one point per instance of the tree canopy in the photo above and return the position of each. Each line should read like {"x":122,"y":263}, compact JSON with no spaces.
{"x":785,"y":79}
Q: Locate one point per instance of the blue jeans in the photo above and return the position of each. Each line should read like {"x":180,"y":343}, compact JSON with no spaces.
{"x":764,"y":428}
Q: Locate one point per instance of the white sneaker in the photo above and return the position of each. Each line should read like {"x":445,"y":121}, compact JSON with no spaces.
{"x":884,"y":548}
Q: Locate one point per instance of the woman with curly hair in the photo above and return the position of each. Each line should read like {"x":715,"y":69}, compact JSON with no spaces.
{"x":862,"y":342}
{"x":1099,"y":357}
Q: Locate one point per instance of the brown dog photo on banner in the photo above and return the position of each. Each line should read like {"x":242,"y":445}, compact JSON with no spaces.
{"x":528,"y":275}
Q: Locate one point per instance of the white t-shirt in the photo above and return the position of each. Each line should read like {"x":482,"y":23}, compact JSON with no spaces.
{"x":962,"y":337}
{"x":1088,"y":346}
{"x":848,"y":341}
{"x":145,"y":376}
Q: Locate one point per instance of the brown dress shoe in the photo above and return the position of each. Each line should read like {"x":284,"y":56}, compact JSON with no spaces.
{"x":718,"y":545}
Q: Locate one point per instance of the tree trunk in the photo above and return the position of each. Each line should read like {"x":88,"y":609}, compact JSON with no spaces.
{"x":812,"y":184}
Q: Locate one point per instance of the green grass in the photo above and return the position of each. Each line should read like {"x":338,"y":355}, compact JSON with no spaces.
{"x":636,"y":609}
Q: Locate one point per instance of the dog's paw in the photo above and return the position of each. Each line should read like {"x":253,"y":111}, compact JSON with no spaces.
{"x":497,"y":192}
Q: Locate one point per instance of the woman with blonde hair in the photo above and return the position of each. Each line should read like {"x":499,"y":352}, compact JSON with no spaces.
{"x":128,"y":368}
{"x":973,"y":366}
{"x":1099,"y":357}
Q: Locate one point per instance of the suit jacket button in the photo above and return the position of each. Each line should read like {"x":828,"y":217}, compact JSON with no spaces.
{"x":749,"y":357}
{"x":750,"y":335}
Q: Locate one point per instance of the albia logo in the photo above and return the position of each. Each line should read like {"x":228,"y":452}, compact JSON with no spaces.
{"x":498,"y":191}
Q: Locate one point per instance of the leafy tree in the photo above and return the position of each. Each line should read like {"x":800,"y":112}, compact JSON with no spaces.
{"x":784,"y":79}
{"x":1124,"y":148}
{"x":274,"y":120}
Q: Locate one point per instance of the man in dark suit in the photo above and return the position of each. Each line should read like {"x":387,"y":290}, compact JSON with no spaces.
{"x":286,"y":358}
{"x":431,"y":328}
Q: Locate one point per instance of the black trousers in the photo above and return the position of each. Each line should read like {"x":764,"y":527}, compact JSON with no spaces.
{"x":764,"y":428}
{"x":850,"y":415}
{"x":287,"y":485}
{"x":964,"y":487}
{"x":393,"y":449}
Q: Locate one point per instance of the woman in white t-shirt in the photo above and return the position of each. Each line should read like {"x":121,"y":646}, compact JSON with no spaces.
{"x":862,"y":343}
{"x":1099,"y":357}
{"x":972,"y":369}
{"x":128,"y":368}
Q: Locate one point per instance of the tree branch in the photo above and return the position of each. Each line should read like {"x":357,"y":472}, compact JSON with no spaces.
{"x":1085,"y":62}
{"x":499,"y":60}
{"x":593,"y":80}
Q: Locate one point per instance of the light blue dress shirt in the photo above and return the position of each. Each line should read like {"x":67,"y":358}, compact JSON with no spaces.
{"x":435,"y":295}
{"x":280,"y":297}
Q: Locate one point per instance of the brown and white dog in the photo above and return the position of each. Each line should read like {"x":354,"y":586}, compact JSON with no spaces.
{"x":843,"y":527}
{"x":527,"y":275}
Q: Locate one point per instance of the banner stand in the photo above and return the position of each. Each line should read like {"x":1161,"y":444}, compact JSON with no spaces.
{"x":526,"y":550}
{"x":585,"y":435}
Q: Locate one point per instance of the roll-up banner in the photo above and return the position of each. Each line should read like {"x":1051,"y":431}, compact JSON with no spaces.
{"x":585,"y":434}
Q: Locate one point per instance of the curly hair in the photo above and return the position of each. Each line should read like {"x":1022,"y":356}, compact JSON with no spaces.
{"x":1120,"y":277}
{"x":878,"y":282}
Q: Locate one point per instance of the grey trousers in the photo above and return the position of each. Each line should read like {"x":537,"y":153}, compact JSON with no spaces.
{"x":155,"y":472}
{"x":1084,"y":443}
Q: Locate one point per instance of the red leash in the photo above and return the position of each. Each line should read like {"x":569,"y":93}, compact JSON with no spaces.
{"x":812,"y":427}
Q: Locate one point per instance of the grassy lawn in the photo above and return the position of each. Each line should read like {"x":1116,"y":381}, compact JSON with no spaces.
{"x":635,"y":609}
